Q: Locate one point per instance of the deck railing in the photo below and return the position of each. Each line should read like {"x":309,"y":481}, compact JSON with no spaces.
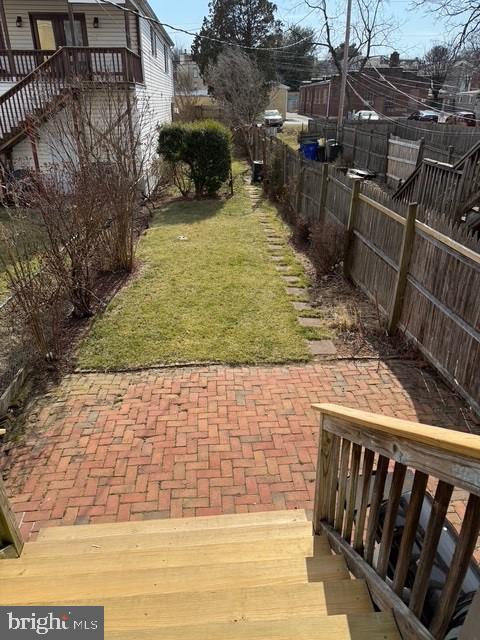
{"x":11,"y":543}
{"x":97,"y":62}
{"x":355,"y":491}
{"x":34,"y":92}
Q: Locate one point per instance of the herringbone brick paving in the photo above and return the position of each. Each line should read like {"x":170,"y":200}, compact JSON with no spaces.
{"x":199,"y":441}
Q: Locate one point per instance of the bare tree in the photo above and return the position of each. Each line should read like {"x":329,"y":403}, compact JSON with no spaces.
{"x":87,"y":198}
{"x":240,"y":87}
{"x":185,"y":97}
{"x":370,"y":30}
{"x":462,"y":18}
{"x":437,"y":64}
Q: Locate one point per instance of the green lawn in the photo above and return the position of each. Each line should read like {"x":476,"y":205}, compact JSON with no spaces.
{"x":26,"y":222}
{"x":215,"y":296}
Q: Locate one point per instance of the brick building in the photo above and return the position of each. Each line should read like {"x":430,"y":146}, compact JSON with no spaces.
{"x":408,"y":93}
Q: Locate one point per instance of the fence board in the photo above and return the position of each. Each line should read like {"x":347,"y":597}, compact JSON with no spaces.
{"x":440,"y":311}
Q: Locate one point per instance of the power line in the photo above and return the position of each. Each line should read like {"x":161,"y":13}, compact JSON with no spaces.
{"x":403,"y":124}
{"x":165,"y":25}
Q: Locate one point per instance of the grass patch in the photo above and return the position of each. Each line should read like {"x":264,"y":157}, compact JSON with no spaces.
{"x":213,"y":297}
{"x":289,"y":135}
{"x":24,"y":221}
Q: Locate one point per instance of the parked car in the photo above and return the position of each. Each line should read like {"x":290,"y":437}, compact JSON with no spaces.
{"x":465,"y":118}
{"x":424,"y":116}
{"x":273,"y":118}
{"x":366,"y":115}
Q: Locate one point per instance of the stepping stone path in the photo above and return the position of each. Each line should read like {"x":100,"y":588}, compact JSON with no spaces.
{"x":318,"y":348}
{"x":322,"y":348}
{"x":310,"y":322}
{"x":296,"y":291}
{"x":302,"y":306}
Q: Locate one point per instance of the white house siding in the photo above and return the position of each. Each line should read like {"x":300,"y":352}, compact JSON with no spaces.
{"x":156,"y":95}
{"x":50,"y":149}
{"x":111,"y":32}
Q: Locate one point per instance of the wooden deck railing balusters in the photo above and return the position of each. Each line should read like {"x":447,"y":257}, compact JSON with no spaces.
{"x":451,"y":458}
{"x":43,"y":84}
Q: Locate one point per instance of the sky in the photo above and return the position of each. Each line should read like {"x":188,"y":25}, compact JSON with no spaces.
{"x":418,"y":30}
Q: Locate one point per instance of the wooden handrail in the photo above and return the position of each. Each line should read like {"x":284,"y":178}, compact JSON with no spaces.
{"x":43,"y":87}
{"x":465,"y":444}
{"x":368,"y":466}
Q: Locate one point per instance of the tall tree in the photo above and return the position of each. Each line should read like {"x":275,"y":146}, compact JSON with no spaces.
{"x":462,"y":18}
{"x":297,"y":62}
{"x":437,"y":64}
{"x":249,"y":23}
{"x":370,"y":30}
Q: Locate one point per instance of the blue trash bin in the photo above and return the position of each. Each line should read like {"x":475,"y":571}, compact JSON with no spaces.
{"x":309,"y":150}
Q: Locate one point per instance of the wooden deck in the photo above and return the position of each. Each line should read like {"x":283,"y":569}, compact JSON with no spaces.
{"x":256,"y":576}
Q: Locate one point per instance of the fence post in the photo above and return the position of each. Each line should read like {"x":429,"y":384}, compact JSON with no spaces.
{"x":401,"y":282}
{"x":285,"y":169}
{"x":347,"y":261}
{"x":387,"y":156}
{"x":323,"y":194}
{"x":450,"y":154}
{"x":298,"y":202}
{"x":326,"y":477}
{"x":9,"y":531}
{"x":421,"y":151}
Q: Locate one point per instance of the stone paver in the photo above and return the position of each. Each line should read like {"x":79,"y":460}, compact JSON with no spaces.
{"x":198,"y":441}
{"x":311,"y":322}
{"x":322,"y":347}
{"x":302,"y":306}
{"x":297,"y":291}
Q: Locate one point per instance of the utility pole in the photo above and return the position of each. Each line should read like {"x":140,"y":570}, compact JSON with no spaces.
{"x":343,"y":86}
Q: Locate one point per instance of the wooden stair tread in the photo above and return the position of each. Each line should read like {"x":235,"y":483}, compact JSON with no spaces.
{"x":165,"y":539}
{"x":125,"y":582}
{"x":225,"y":605}
{"x":78,"y":532}
{"x":366,"y":626}
{"x":303,"y":546}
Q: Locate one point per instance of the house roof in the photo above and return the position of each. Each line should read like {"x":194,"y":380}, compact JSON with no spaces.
{"x":147,"y":10}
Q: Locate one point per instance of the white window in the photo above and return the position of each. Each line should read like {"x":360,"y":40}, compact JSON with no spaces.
{"x":166,"y":56}
{"x":154,"y":41}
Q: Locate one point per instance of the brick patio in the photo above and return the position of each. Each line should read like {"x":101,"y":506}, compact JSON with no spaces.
{"x":199,"y":441}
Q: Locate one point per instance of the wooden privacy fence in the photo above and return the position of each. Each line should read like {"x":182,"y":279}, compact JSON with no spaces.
{"x":403,"y":158}
{"x":444,"y":143}
{"x":424,"y":278}
{"x":362,"y":514}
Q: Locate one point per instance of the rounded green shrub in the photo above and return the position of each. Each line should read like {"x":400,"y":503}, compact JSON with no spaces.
{"x":203,"y":149}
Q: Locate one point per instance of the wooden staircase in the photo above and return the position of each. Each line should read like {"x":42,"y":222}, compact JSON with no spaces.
{"x":252,"y":576}
{"x":39,"y":94}
{"x":451,"y":189}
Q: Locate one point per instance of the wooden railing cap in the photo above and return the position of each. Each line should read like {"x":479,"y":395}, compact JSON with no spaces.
{"x":465,"y":444}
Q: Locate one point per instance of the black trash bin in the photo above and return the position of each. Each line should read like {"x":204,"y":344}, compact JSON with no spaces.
{"x":333,"y":150}
{"x":258,"y":171}
{"x":322,"y":150}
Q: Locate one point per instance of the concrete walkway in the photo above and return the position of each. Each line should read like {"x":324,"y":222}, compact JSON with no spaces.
{"x":192,"y":442}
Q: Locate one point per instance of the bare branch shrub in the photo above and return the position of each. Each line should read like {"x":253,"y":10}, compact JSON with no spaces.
{"x":239,"y":86}
{"x":301,"y":232}
{"x":185,"y":98}
{"x":37,"y":303}
{"x":327,"y":247}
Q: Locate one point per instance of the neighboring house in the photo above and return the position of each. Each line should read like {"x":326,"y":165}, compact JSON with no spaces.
{"x":46,"y":45}
{"x":278,"y":99}
{"x":187,"y":76}
{"x":371,"y":88}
